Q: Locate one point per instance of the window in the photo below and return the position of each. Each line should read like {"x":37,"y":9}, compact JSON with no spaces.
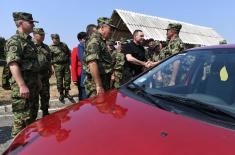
{"x":205,"y":75}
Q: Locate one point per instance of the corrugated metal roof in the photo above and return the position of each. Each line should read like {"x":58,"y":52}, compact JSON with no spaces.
{"x":154,"y":27}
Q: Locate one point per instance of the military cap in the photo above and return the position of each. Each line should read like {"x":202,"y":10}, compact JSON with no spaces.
{"x":55,"y":36}
{"x":23,"y":16}
{"x":105,"y":20}
{"x":175,"y":26}
{"x":38,"y":31}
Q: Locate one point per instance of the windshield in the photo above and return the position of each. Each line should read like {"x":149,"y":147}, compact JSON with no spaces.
{"x":206,"y":75}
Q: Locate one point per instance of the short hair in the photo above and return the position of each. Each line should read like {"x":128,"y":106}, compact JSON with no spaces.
{"x":89,"y":28}
{"x":81,"y":35}
{"x":136,"y":31}
{"x":150,"y":40}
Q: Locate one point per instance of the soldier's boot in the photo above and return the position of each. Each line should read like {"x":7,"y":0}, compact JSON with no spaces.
{"x":68,"y":96}
{"x":45,"y":112}
{"x":61,"y":98}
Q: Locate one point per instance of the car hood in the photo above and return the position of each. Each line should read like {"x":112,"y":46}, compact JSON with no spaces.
{"x":116,"y":124}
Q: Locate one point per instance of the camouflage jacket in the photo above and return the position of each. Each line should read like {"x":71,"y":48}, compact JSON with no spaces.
{"x":173,"y":47}
{"x":2,"y":44}
{"x":148,"y":54}
{"x":155,"y":57}
{"x":152,"y":57}
{"x":60,"y":54}
{"x":119,"y":60}
{"x":44,"y":57}
{"x":21,"y":49}
{"x":96,"y":50}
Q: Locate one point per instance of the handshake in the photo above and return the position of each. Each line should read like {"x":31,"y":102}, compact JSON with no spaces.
{"x":150,"y":64}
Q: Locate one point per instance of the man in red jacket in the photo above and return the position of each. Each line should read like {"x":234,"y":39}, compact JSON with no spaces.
{"x":78,"y":75}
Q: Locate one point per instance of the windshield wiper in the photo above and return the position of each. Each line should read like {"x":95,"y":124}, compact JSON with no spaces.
{"x":210,"y":110}
{"x":138,"y":90}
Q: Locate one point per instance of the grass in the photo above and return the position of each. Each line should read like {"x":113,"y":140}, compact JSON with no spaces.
{"x":5,"y":95}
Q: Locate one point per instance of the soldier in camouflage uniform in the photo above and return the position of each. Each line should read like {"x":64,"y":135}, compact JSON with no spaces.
{"x":118,"y":60}
{"x":175,"y":44}
{"x":60,"y":55}
{"x":5,"y":73}
{"x":155,"y":52}
{"x":98,"y":63}
{"x":21,"y":57}
{"x":150,"y":50}
{"x":90,"y":29}
{"x":110,"y":45}
{"x":45,"y":70}
{"x":2,"y":44}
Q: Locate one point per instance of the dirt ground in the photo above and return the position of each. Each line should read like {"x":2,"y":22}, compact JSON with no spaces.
{"x":5,"y":95}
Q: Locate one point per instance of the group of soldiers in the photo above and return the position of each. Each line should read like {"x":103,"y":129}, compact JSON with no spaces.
{"x":105,"y":60}
{"x":31,"y":63}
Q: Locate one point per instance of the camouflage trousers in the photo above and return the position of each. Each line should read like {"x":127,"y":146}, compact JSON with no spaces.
{"x":116,"y":83}
{"x":6,"y":76}
{"x":90,"y":86}
{"x":44,"y":94}
{"x":24,"y":110}
{"x":63,"y":77}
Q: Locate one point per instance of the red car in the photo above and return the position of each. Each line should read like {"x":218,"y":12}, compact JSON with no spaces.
{"x":183,"y":106}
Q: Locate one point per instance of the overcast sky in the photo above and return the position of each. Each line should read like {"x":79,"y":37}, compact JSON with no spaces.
{"x":68,"y":17}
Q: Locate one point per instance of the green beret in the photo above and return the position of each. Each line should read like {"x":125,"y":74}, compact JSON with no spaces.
{"x":55,"y":36}
{"x":175,"y":26}
{"x":23,"y":16}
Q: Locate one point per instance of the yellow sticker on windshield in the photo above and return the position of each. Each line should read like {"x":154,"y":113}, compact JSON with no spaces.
{"x":223,"y":74}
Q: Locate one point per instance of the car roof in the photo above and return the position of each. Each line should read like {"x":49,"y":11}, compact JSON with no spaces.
{"x":214,"y":47}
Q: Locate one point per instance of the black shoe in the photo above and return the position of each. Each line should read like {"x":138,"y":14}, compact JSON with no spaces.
{"x":68,"y":96}
{"x":61,"y":98}
{"x":45,"y":112}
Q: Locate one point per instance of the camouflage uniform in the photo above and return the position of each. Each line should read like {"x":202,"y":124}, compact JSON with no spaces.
{"x":2,"y":44}
{"x":173,"y":46}
{"x":5,"y":73}
{"x":44,"y":59}
{"x":119,"y":60}
{"x":96,"y":50}
{"x":149,"y":54}
{"x":155,"y":57}
{"x":20,"y":49}
{"x":60,"y":55}
{"x":155,"y":53}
